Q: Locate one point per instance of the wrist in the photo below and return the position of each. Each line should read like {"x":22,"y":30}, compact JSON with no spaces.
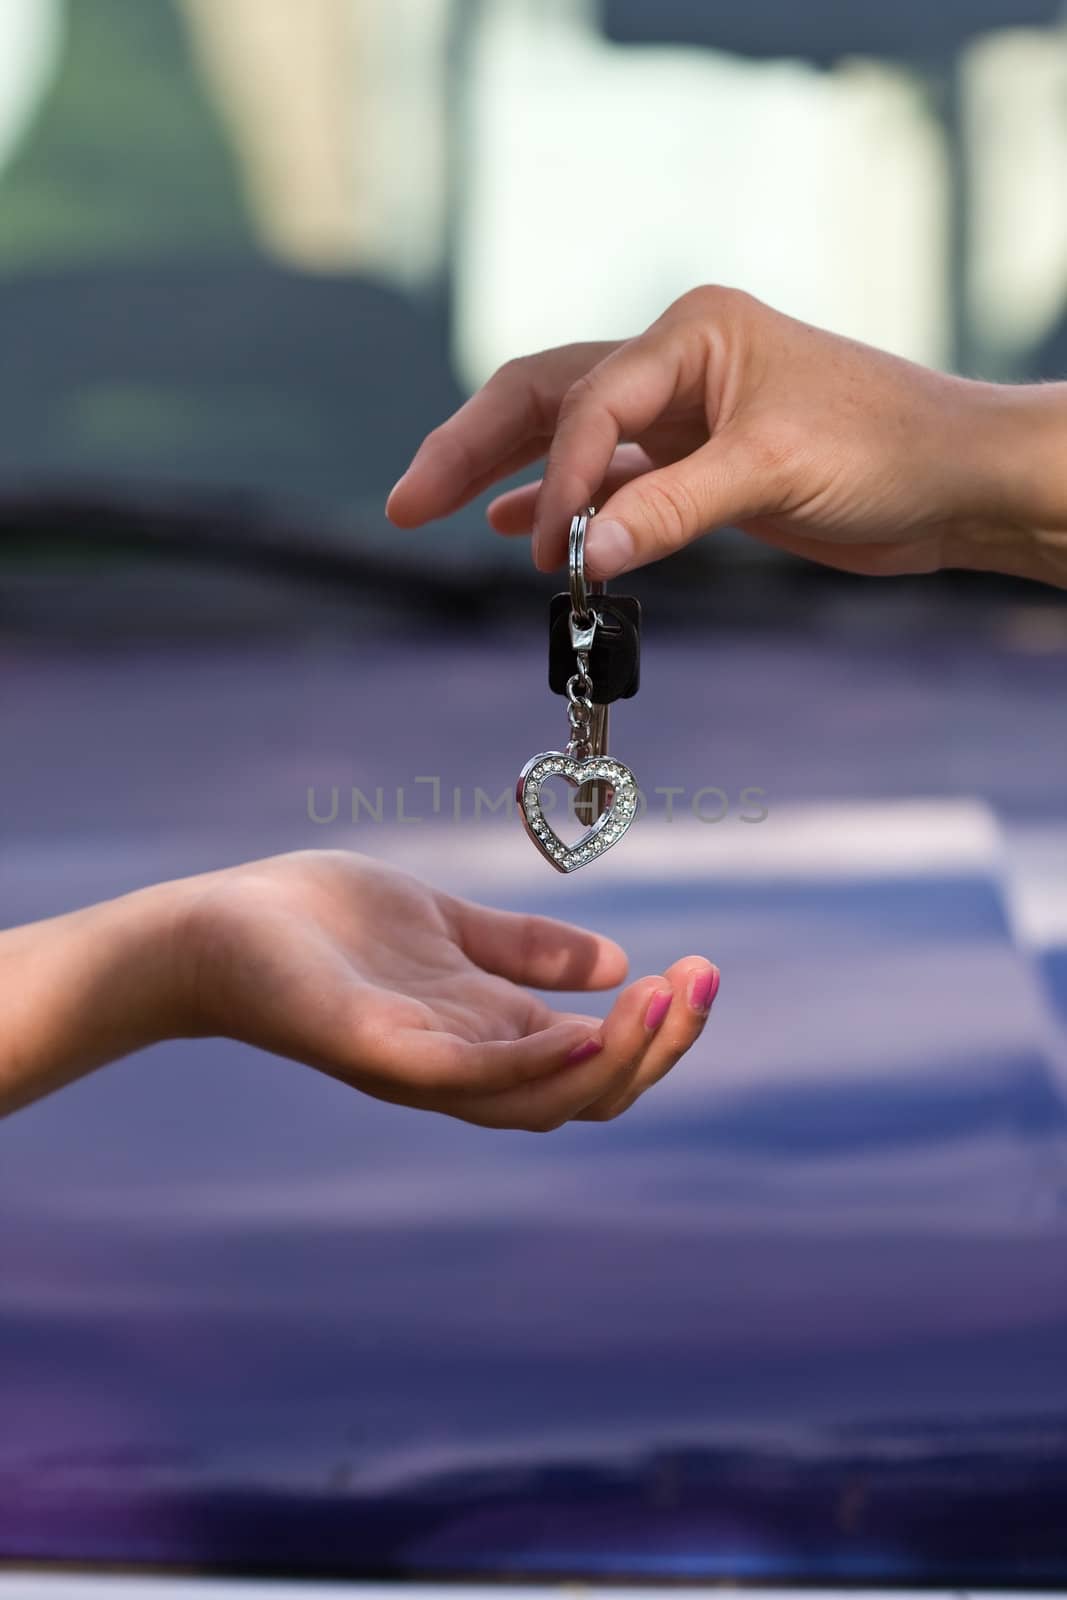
{"x":1013,"y":445}
{"x":86,"y":988}
{"x":142,"y":964}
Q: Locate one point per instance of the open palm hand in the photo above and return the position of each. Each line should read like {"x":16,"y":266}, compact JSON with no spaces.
{"x":420,"y":998}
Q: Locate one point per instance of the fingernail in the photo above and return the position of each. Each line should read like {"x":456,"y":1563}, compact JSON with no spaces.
{"x":587,"y":1048}
{"x":704,"y":988}
{"x":658,"y":1007}
{"x":609,"y":548}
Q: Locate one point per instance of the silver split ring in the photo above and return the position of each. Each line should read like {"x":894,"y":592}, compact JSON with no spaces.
{"x":576,"y":561}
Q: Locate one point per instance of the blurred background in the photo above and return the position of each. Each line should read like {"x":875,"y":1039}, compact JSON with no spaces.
{"x":249,"y":252}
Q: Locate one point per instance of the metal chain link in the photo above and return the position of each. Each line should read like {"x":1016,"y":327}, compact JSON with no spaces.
{"x":580,"y":708}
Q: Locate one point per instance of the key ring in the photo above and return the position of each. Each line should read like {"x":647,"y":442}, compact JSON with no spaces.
{"x":576,"y":561}
{"x":583,"y":626}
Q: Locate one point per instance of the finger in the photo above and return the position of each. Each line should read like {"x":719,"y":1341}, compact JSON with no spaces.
{"x":442,"y":485}
{"x":542,"y":1105}
{"x":507,"y":424}
{"x":654,"y":515}
{"x":537,"y":951}
{"x":433,"y":1067}
{"x":694,"y":984}
{"x":513,"y":512}
{"x":619,"y":399}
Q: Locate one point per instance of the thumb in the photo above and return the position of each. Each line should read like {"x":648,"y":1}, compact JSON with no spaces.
{"x":657,"y":513}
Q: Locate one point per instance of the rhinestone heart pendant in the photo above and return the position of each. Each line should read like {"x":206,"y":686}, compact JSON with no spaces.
{"x":578,"y":771}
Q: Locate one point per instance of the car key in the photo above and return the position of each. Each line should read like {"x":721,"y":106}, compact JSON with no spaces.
{"x":614,"y":665}
{"x":614,"y":660}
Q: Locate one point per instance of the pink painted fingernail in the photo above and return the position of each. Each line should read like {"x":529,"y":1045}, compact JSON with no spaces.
{"x":658,"y":1007}
{"x":609,"y":549}
{"x":703,"y":990}
{"x":587,"y":1048}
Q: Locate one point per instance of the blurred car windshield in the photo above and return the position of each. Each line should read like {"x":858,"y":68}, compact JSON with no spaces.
{"x":250,"y":253}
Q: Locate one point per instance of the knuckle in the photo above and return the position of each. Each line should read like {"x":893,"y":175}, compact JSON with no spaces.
{"x":533,"y":944}
{"x":597,"y":1112}
{"x":516,"y":380}
{"x":670,"y":510}
{"x":674,"y":1054}
{"x":605,"y":1113}
{"x":544,"y":1123}
{"x":436,"y":441}
{"x":581,"y":392}
{"x":775,"y":452}
{"x":703,"y":298}
{"x":510,"y":372}
{"x":713,"y":300}
{"x":444,"y":441}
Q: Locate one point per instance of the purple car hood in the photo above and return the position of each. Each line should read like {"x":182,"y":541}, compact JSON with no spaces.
{"x":801,"y":1314}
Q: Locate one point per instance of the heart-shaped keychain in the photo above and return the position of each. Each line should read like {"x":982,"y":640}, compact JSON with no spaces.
{"x":585,"y":762}
{"x":621,"y":808}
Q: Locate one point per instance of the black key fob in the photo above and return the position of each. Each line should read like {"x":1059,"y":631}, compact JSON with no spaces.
{"x":615,"y":658}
